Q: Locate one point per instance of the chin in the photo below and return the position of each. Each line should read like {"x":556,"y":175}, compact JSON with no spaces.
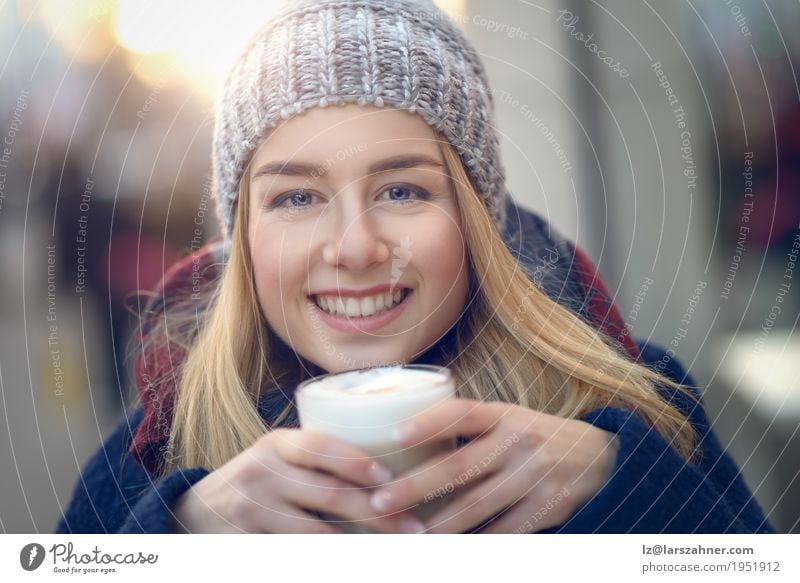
{"x":340,"y":362}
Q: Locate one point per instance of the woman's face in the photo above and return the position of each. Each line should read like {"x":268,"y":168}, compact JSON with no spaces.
{"x":352,"y":208}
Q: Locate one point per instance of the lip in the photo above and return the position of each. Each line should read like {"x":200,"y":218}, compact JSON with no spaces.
{"x":358,"y":293}
{"x":362,"y":323}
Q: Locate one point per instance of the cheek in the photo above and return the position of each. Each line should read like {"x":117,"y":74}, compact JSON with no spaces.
{"x":442,"y":254}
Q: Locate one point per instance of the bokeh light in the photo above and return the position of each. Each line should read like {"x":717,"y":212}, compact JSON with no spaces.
{"x":168,"y":41}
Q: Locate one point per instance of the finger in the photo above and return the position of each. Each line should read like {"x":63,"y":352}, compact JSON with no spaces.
{"x":479,"y":529}
{"x":331,"y":495}
{"x":514,"y":521}
{"x":449,"y":419}
{"x":287,"y":519}
{"x":317,"y":451}
{"x":520,"y":519}
{"x":442,"y":474}
{"x":475,"y":505}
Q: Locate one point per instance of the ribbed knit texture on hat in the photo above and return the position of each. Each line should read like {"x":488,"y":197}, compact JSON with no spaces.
{"x":406,"y":54}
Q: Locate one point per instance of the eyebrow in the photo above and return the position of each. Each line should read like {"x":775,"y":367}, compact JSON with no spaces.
{"x":401,"y":162}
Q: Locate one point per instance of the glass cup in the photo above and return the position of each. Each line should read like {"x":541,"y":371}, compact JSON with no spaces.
{"x":362,"y":407}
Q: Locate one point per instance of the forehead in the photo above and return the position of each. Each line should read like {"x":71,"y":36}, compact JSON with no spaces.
{"x":348,"y":137}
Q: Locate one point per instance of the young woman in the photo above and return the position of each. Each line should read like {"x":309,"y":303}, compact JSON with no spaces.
{"x":365,"y":222}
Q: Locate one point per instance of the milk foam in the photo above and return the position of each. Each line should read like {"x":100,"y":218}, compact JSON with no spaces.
{"x":375,"y":381}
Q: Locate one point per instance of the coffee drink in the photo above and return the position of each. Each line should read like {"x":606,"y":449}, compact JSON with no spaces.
{"x":362,"y":407}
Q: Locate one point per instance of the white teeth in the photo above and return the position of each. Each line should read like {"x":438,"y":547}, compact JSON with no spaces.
{"x":355,"y":308}
{"x":367,"y":306}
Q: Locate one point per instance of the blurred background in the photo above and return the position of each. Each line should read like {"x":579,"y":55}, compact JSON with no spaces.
{"x":663,"y":137}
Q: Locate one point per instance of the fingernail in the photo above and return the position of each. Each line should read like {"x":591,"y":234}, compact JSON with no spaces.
{"x":381,"y":501}
{"x":379,"y":474}
{"x":410,"y":525}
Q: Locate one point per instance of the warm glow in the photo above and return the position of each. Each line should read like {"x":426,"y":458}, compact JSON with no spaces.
{"x":169,"y":41}
{"x":198,"y":44}
{"x":147,"y":26}
{"x":455,"y":8}
{"x":80,"y":26}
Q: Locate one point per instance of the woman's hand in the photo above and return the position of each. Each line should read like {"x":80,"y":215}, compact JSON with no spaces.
{"x":276,"y":484}
{"x":529,"y":470}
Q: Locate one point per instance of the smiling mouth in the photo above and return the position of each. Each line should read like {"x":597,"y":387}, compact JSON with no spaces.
{"x":365,"y":307}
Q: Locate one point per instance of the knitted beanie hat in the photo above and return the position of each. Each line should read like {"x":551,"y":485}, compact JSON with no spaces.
{"x":406,"y":54}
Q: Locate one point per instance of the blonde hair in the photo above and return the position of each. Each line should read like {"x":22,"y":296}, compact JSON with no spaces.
{"x":513,"y":343}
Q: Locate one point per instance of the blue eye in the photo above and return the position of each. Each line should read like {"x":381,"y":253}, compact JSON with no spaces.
{"x":298,"y":199}
{"x":397,"y":194}
{"x":304,"y":199}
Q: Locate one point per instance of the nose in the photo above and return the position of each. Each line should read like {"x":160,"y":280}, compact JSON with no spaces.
{"x":355,"y":242}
